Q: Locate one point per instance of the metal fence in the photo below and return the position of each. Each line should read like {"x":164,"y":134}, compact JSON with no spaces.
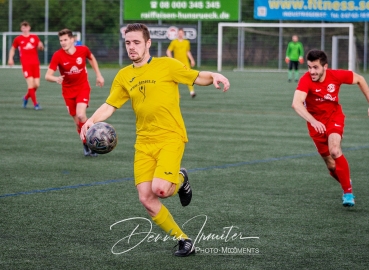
{"x":260,"y":48}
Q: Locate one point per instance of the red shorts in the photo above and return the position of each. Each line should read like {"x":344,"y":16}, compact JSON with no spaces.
{"x":335,"y":124}
{"x":74,"y":95}
{"x":31,"y":70}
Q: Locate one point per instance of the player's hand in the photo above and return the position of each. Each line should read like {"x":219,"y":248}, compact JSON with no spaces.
{"x":100,"y":81}
{"x":192,"y":63}
{"x":287,"y":60}
{"x":40,"y":46}
{"x":219,"y":78}
{"x":84,"y":129}
{"x":11,"y":62}
{"x":318,"y":126}
{"x":301,"y":60}
{"x":60,"y":79}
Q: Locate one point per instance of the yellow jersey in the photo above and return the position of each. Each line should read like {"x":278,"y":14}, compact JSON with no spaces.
{"x":154,"y":94}
{"x":180,"y":49}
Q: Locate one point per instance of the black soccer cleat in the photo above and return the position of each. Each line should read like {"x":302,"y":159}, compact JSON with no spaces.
{"x":185,"y":192}
{"x":88,"y":152}
{"x":185,"y":248}
{"x":93,"y":154}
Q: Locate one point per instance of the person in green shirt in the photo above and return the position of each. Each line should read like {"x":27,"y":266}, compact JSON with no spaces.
{"x":294,"y":56}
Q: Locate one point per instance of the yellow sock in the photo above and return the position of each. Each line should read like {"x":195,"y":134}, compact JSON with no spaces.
{"x":178,"y":186}
{"x":166,"y":222}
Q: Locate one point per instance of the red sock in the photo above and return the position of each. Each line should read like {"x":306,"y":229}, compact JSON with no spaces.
{"x":32,"y":94}
{"x":343,"y":173}
{"x":80,"y":125}
{"x":334,"y":175}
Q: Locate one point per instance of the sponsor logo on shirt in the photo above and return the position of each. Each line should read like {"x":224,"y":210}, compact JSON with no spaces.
{"x":74,"y":70}
{"x":28,"y":46}
{"x":329,"y":97}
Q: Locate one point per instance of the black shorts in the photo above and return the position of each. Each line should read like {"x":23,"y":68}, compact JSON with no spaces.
{"x":294,"y":65}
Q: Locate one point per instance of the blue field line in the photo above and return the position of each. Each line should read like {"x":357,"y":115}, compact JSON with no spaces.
{"x":190,"y":170}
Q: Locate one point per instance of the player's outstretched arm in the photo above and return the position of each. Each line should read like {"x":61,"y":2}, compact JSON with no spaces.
{"x":99,"y":78}
{"x":298,"y":106}
{"x":169,"y":53}
{"x":40,"y":46}
{"x":206,"y":78}
{"x":101,"y":114}
{"x":49,"y":76}
{"x":363,"y":85}
{"x":11,"y":56}
{"x":192,"y":60}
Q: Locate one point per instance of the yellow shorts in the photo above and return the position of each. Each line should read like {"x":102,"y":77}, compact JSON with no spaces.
{"x":158,"y":160}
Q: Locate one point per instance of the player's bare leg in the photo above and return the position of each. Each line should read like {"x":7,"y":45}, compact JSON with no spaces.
{"x":79,"y":119}
{"x":149,"y":194}
{"x":32,"y":85}
{"x":331,"y":166}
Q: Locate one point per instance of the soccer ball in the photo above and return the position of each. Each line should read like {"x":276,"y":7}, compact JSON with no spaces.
{"x":101,"y":138}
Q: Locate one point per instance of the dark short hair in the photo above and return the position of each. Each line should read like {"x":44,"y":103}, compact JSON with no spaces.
{"x":65,"y":32}
{"x":314,"y":55}
{"x":24,"y":23}
{"x":138,"y":27}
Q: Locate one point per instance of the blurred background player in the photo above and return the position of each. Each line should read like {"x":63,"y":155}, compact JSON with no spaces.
{"x":77,"y":40}
{"x":294,"y":56}
{"x":316,"y":100}
{"x":71,"y":62}
{"x":182,"y":52}
{"x":28,"y":44}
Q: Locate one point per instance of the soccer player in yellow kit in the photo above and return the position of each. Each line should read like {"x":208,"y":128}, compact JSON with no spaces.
{"x":182,"y":52}
{"x":152,"y":86}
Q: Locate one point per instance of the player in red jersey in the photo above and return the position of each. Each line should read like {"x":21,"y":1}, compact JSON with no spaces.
{"x":71,"y":62}
{"x":316,"y":100}
{"x":27,"y":45}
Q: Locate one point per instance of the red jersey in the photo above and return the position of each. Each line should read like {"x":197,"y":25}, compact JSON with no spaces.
{"x":27,"y":47}
{"x":71,"y":66}
{"x":322,"y":97}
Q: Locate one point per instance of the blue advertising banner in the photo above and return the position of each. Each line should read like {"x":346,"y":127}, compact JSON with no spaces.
{"x":313,"y":10}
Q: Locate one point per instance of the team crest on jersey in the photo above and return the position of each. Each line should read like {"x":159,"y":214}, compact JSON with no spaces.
{"x":79,"y":60}
{"x":331,"y":88}
{"x":32,"y":40}
{"x":142,"y":90}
